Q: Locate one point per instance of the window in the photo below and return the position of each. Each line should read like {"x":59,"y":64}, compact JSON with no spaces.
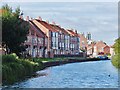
{"x":62,"y":44}
{"x":45,"y":40}
{"x":32,"y":32}
{"x":70,"y":45}
{"x":28,"y":39}
{"x":55,"y":44}
{"x":51,"y":34}
{"x":51,"y":44}
{"x":35,"y":40}
{"x":78,"y":39}
{"x":56,"y":34}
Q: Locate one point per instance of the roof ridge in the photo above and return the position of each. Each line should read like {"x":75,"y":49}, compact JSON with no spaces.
{"x":48,"y":26}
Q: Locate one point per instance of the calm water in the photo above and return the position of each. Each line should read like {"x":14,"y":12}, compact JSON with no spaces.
{"x":76,"y":75}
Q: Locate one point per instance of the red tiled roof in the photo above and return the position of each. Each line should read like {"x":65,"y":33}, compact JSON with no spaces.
{"x":72,"y":33}
{"x":100,"y":42}
{"x":48,"y":26}
{"x":37,"y":27}
{"x":106,"y":46}
{"x":59,"y":28}
{"x":91,"y":45}
{"x":82,"y":36}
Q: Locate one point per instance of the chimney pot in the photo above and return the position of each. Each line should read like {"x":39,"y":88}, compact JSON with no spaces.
{"x":47,"y":21}
{"x":53,"y":23}
{"x":59,"y":25}
{"x":76,"y":31}
{"x":21,"y":17}
{"x":27,"y":18}
{"x":40,"y":18}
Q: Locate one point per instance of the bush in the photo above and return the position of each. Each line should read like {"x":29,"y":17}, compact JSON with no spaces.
{"x":108,"y":54}
{"x":116,"y":60}
{"x":15,"y":69}
{"x":9,"y":58}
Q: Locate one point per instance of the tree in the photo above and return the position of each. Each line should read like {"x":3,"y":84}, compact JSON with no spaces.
{"x":14,"y":30}
{"x":117,"y":46}
{"x":116,"y":57}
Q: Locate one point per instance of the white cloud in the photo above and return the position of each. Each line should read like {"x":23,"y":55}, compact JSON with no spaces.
{"x":60,"y":0}
{"x":98,"y":18}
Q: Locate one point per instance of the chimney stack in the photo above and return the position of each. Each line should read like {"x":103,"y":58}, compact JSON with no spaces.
{"x":21,"y":17}
{"x":27,"y":18}
{"x":39,"y":18}
{"x":76,"y":31}
{"x":53,"y":23}
{"x":47,"y":21}
{"x":59,"y":25}
{"x":31,"y":18}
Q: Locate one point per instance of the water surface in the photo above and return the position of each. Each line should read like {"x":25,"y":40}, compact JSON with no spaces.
{"x":97,"y":74}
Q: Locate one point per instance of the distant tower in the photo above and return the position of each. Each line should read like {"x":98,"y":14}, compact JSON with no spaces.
{"x":88,"y":36}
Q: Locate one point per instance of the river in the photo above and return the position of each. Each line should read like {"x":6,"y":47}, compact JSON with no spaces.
{"x":97,"y":74}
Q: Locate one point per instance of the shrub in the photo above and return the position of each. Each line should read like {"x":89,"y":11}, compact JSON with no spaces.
{"x":108,"y":54}
{"x":116,"y":60}
{"x":9,"y":58}
{"x":15,"y":69}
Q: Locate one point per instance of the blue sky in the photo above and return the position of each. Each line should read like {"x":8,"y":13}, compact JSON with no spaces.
{"x":99,"y":18}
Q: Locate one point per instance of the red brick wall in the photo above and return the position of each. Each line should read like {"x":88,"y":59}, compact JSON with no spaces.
{"x":107,"y":50}
{"x":83,"y":40}
{"x":100,"y":46}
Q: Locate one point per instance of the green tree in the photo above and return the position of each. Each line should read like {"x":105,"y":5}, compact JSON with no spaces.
{"x":14,"y":30}
{"x":117,"y":46}
{"x":116,"y":57}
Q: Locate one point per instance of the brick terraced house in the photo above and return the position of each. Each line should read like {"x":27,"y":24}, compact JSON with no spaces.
{"x":63,"y":40}
{"x":47,"y":40}
{"x":51,"y":33}
{"x":74,"y":42}
{"x":36,"y":42}
{"x":83,"y":41}
{"x":98,"y":48}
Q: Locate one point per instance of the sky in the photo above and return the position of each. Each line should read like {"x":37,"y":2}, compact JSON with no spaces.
{"x":99,"y":18}
{"x":60,"y":0}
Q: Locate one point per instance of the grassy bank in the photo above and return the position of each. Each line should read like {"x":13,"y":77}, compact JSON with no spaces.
{"x":116,"y":60}
{"x":15,"y":69}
